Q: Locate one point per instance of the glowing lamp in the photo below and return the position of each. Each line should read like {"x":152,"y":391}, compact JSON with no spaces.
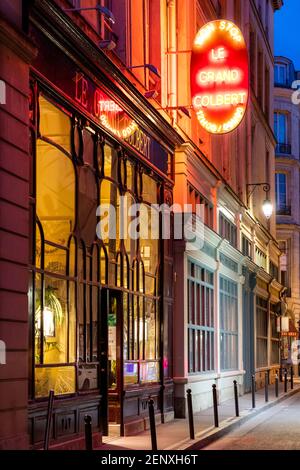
{"x":219,"y":76}
{"x":267,"y":208}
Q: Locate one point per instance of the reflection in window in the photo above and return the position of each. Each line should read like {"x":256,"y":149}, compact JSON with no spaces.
{"x":55,"y":187}
{"x":54,"y":124}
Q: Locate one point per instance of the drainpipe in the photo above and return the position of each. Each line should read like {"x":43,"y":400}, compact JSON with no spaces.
{"x":172,"y":58}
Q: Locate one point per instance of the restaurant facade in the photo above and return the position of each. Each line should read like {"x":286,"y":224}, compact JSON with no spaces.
{"x":100,"y":329}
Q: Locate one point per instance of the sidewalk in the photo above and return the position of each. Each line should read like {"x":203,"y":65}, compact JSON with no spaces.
{"x":175,"y":434}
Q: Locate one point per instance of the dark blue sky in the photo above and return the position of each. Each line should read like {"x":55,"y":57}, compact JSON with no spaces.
{"x":287,"y":31}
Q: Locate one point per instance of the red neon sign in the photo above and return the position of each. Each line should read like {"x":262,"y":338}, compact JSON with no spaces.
{"x":219,"y":76}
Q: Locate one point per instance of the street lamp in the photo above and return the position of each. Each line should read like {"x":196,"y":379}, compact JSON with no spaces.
{"x":267,"y":206}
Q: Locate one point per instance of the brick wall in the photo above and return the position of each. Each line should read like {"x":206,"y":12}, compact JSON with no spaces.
{"x":15,"y":53}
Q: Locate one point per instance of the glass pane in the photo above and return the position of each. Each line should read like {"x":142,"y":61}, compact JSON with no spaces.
{"x":130,"y":175}
{"x":55,"y":259}
{"x":130,"y":373}
{"x":149,"y":372}
{"x":87,"y":204}
{"x":72,"y":258}
{"x":37,"y":319}
{"x":108,"y":227}
{"x":87,"y":376}
{"x":38,"y":247}
{"x":149,"y":238}
{"x":95,"y":310}
{"x":110,"y":163}
{"x":112,"y":343}
{"x":150,"y":329}
{"x":129,"y":241}
{"x":55,"y":319}
{"x":72,"y":322}
{"x":54,"y":124}
{"x":55,"y":188}
{"x":88,"y":148}
{"x":60,"y":379}
{"x":149,"y":189}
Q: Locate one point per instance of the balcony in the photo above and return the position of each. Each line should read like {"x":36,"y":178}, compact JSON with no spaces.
{"x":283,"y":149}
{"x":284,"y":210}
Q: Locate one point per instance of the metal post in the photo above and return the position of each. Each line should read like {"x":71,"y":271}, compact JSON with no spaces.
{"x":152,"y":424}
{"x":285,"y":381}
{"x":236,"y":398}
{"x":280,"y":374}
{"x":190,"y":411}
{"x":88,"y":432}
{"x":292,"y":378}
{"x":49,"y":419}
{"x":276,"y":386}
{"x":215,"y":402}
{"x":266,"y":387}
{"x":253,"y":391}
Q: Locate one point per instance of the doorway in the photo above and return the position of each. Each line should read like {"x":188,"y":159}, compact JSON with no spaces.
{"x":112,"y":307}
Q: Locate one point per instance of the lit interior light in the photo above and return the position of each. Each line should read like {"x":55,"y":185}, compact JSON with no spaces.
{"x":267,"y":208}
{"x":48,"y":319}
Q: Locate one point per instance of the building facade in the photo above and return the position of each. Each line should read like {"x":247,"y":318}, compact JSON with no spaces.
{"x":96,"y":116}
{"x":286,"y":126}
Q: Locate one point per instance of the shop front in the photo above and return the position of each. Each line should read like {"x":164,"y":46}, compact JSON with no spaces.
{"x":100,"y":298}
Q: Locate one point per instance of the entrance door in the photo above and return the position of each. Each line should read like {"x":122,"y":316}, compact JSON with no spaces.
{"x":112,"y":306}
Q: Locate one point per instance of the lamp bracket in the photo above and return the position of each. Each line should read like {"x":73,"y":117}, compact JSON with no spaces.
{"x":251,"y":188}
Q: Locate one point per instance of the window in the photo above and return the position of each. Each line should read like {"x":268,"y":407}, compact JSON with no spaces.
{"x":227,"y":230}
{"x":252,"y":58}
{"x":281,"y":74}
{"x":284,"y":271}
{"x":261,"y":332}
{"x":273,"y":270}
{"x":246,"y":246}
{"x":275,"y":344}
{"x":201,"y":319}
{"x":281,"y":192}
{"x":194,"y":199}
{"x":260,"y":258}
{"x":260,"y":77}
{"x":228,"y":324}
{"x":280,"y":127}
{"x":72,"y":265}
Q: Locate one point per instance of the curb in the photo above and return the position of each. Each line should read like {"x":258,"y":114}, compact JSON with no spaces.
{"x":224,"y":429}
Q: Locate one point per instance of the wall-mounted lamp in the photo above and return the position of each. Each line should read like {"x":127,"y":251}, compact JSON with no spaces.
{"x":151,"y":94}
{"x":107,"y":44}
{"x":102,"y":10}
{"x":150,"y":67}
{"x":267,"y":206}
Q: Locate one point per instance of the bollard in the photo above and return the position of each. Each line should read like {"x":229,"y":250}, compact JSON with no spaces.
{"x":88,"y":432}
{"x":49,"y":420}
{"x":215,"y":402}
{"x":280,"y":374}
{"x":152,"y":424}
{"x":285,"y":381}
{"x":266,"y":387}
{"x":292,"y":378}
{"x":190,"y":411}
{"x":276,"y":385}
{"x":236,"y":398}
{"x":253,"y":391}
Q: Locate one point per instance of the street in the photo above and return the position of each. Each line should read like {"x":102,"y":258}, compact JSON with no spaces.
{"x":275,"y":429}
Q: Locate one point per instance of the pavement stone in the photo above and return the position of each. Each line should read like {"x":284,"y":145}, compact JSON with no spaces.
{"x":174,"y":435}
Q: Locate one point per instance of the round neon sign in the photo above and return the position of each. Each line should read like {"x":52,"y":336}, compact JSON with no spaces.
{"x":219,"y":76}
